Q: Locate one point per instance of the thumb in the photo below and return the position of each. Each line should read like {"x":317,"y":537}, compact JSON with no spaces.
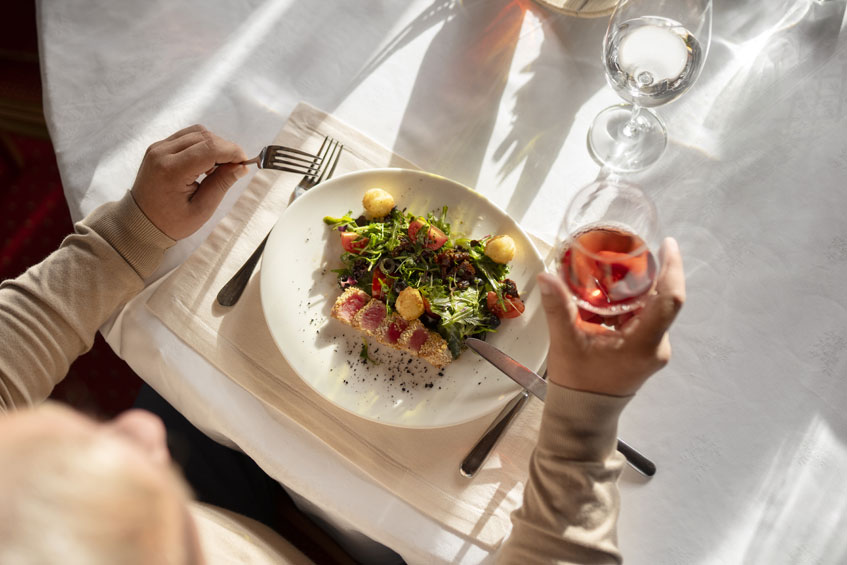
{"x":214,"y":187}
{"x":662,"y":307}
{"x":559,"y":308}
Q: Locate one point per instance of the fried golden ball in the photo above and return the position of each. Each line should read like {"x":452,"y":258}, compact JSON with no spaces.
{"x":500,"y":249}
{"x":410,"y":304}
{"x":377,"y":203}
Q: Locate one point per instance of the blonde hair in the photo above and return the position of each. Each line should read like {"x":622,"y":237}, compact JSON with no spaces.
{"x":78,"y":499}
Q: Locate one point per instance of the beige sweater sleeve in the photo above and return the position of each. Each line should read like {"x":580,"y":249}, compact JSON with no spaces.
{"x":50,"y":314}
{"x":570,"y":507}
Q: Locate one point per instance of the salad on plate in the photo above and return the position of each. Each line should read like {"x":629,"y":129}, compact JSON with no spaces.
{"x":411,"y":283}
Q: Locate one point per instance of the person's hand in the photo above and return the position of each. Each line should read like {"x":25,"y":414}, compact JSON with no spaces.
{"x":166,"y":188}
{"x":586,"y":356}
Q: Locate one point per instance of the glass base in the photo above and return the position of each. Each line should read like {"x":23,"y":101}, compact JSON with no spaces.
{"x":615,"y":144}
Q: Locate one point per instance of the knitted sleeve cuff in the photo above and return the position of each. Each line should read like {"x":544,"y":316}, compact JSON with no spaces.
{"x":125,"y":227}
{"x":580,"y":425}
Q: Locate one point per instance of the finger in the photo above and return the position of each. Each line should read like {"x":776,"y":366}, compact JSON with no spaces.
{"x":213,"y":188}
{"x":587,"y":316}
{"x":672,"y":278}
{"x":183,"y":131}
{"x":175,"y":146}
{"x":594,"y":326}
{"x":205,"y":154}
{"x":663,"y":306}
{"x":572,"y":318}
{"x":559,"y":307}
{"x":663,"y":353}
{"x":620,"y":321}
{"x":166,"y":146}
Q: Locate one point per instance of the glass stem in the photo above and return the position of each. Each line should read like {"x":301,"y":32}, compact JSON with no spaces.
{"x":631,"y":129}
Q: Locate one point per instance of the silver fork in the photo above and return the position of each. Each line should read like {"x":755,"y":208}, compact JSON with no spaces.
{"x":328,"y":156}
{"x":288,"y":159}
{"x":478,"y":454}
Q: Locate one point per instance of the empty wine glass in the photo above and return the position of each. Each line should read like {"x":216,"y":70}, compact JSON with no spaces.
{"x":653,"y":52}
{"x":608,"y":247}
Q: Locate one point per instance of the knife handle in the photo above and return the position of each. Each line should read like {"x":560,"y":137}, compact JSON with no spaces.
{"x":636,"y":459}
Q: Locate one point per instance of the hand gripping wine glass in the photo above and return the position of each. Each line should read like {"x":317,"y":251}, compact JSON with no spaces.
{"x":608,"y":247}
{"x":653,"y":52}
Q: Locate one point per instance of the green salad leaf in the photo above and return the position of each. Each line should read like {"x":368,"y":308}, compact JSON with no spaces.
{"x":365,"y":355}
{"x":454,"y":279}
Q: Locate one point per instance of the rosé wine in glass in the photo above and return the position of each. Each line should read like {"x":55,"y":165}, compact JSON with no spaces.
{"x":608,"y":248}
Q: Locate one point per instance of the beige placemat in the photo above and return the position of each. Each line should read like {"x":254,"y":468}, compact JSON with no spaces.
{"x":418,"y":466}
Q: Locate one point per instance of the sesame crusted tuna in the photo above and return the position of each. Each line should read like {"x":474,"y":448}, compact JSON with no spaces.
{"x":348,"y":304}
{"x":355,"y":308}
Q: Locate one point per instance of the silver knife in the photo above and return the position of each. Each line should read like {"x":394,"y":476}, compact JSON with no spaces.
{"x":512,"y":369}
{"x":538,"y":387}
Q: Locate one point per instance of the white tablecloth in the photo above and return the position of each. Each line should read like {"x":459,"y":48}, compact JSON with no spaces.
{"x":746,"y":424}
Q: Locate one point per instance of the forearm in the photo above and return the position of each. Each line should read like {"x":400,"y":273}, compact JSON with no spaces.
{"x":570,"y":508}
{"x":50,"y":314}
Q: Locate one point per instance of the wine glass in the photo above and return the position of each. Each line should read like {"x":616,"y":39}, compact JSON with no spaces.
{"x":653,"y":52}
{"x":608,"y":247}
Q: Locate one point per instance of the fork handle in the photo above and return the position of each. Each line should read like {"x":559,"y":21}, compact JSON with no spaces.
{"x":231,"y":291}
{"x":253,"y":161}
{"x":483,"y":447}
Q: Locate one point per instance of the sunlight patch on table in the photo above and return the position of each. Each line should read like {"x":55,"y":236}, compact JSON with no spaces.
{"x":797,"y":517}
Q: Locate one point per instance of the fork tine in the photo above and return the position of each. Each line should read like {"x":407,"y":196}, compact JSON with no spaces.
{"x":331,"y":161}
{"x":281,"y":156}
{"x":299,"y":171}
{"x":305,"y":167}
{"x":322,"y":161}
{"x":322,"y":151}
{"x":277,"y":149}
{"x":288,"y":159}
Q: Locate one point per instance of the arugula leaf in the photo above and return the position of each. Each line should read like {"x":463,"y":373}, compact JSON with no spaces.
{"x":459,"y":306}
{"x":364,"y":353}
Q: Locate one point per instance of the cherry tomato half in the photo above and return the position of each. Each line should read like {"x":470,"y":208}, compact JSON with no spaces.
{"x":379,"y":285}
{"x":353,"y":242}
{"x":512,"y":306}
{"x":435,"y":238}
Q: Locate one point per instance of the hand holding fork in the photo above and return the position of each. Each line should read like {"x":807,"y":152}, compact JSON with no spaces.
{"x":317,"y":171}
{"x":170,"y":188}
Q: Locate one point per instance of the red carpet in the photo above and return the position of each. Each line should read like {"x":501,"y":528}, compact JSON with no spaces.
{"x":35,"y":220}
{"x":35,"y":216}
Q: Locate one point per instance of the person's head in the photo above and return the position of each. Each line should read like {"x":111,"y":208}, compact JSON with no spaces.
{"x":73,"y":490}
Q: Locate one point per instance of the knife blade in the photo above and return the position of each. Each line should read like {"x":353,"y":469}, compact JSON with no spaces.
{"x":510,"y":367}
{"x":530,"y":381}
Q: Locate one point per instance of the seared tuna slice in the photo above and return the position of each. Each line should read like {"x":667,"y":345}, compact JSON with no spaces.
{"x":348,"y":304}
{"x":369,"y":318}
{"x":414,"y":337}
{"x":392,"y":329}
{"x":356,"y":308}
{"x":435,"y":351}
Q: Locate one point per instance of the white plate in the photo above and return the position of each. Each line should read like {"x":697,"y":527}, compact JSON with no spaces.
{"x":298,"y":289}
